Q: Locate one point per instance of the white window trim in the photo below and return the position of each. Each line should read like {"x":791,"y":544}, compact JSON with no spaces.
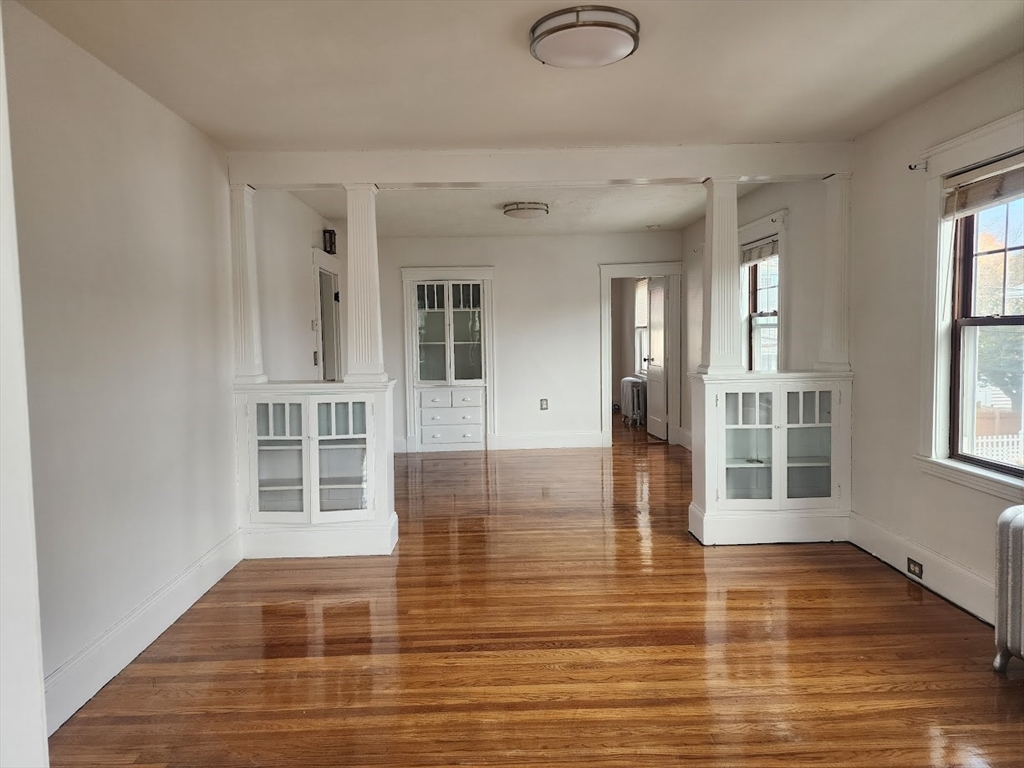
{"x":988,"y":142}
{"x":772,"y":225}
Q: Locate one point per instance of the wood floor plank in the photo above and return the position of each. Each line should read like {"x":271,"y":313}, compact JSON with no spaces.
{"x":549,"y":608}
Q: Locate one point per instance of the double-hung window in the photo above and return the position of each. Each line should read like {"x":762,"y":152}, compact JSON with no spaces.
{"x":761,"y":277}
{"x":642,"y":331}
{"x":987,"y":345}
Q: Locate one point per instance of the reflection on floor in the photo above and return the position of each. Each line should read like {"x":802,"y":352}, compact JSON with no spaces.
{"x":548,"y":608}
{"x":623,"y":432}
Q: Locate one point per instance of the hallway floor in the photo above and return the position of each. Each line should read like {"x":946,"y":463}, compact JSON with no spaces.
{"x":550,"y":608}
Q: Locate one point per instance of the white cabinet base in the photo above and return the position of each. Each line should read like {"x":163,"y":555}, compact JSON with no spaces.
{"x":365,"y":537}
{"x":775,"y":527}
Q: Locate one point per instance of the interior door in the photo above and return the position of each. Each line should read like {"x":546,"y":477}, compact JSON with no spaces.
{"x":657,"y":392}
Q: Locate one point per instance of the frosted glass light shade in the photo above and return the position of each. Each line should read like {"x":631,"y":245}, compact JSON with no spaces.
{"x":525,"y":210}
{"x":585,"y":36}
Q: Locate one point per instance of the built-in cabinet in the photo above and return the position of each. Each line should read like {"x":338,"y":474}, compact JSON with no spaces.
{"x":778,"y":445}
{"x":448,"y":358}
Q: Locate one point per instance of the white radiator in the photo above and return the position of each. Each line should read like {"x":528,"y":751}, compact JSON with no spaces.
{"x":1010,"y":588}
{"x":633,"y":396}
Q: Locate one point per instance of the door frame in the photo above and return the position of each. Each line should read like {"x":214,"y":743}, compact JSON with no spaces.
{"x":328,"y":262}
{"x":673,"y":270}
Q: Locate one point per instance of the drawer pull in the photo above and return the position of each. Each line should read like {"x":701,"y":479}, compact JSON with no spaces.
{"x":465,"y":418}
{"x":436,"y":418}
{"x":436,"y":437}
{"x":436,"y":400}
{"x":466,"y":399}
{"x":467,"y":435}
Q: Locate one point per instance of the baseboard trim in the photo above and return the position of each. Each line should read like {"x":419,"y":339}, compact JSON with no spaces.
{"x":962,"y":586}
{"x":790,"y":527}
{"x":401,"y":444}
{"x":328,"y":540}
{"x":515,"y":441}
{"x":78,"y":679}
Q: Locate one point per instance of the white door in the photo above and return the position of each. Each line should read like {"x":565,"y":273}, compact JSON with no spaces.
{"x":657,"y":392}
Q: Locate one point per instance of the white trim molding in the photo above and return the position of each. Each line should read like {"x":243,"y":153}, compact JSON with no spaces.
{"x":985,"y":480}
{"x":960,"y":585}
{"x":78,"y":679}
{"x":349,"y":539}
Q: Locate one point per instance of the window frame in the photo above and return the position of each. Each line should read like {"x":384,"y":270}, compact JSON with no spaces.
{"x":963,"y":317}
{"x":773,"y":225}
{"x":971,"y":150}
{"x":752,"y":312}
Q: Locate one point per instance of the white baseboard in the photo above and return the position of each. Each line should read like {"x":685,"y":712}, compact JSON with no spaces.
{"x":680,"y":436}
{"x":401,"y":444}
{"x":77,"y":680}
{"x":969,"y":589}
{"x":328,"y":540}
{"x":514,"y":441}
{"x":790,"y":527}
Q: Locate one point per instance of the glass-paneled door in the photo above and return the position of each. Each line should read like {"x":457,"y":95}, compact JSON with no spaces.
{"x":450,"y":333}
{"x":341,"y":460}
{"x":280,"y":492}
{"x":809,"y":443}
{"x":749,"y":444}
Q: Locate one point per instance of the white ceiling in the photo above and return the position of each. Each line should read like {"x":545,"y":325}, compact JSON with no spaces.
{"x":478,"y":212}
{"x":311,"y":74}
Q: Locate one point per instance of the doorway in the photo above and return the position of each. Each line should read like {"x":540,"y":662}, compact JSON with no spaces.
{"x":327,"y":290}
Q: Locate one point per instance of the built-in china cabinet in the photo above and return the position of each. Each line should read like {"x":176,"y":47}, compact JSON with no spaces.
{"x":776,"y":463}
{"x":448,"y":358}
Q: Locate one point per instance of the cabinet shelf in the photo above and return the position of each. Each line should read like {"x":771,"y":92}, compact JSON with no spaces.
{"x":342,"y":482}
{"x":747,"y":464}
{"x":809,"y":461}
{"x":291,"y":484}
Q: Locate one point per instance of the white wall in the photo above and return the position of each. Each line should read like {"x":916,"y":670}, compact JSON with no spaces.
{"x":803,"y":273}
{"x":623,"y":331}
{"x":952,"y":525}
{"x":22,"y":709}
{"x":287,"y":230}
{"x":123,"y":227}
{"x":547,"y":304}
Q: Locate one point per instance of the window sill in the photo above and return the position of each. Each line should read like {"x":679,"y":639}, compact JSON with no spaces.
{"x":984,"y":480}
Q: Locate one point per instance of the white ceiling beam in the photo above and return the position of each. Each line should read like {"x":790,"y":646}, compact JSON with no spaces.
{"x":410,"y":168}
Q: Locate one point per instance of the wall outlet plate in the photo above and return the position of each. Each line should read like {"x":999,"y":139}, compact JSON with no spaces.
{"x":544,"y":404}
{"x":914,"y":568}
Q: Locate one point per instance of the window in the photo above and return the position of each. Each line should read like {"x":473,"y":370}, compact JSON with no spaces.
{"x":987,"y":345}
{"x":761,"y":280}
{"x":642,"y":334}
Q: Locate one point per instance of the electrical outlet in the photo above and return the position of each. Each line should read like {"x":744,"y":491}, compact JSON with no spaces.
{"x":544,"y":404}
{"x":914,"y":568}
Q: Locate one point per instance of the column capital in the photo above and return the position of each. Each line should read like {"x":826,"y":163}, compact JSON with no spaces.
{"x":720,"y":181}
{"x":361,"y":187}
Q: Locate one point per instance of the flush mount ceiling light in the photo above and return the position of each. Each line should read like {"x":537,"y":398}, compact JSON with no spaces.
{"x":585,"y":36}
{"x":525,"y":210}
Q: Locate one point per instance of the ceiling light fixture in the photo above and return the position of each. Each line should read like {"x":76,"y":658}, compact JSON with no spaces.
{"x":585,"y":36}
{"x":525,"y":210}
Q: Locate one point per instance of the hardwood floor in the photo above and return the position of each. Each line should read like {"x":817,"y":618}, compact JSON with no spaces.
{"x":549,"y":608}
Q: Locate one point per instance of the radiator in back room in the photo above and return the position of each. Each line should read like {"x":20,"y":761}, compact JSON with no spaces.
{"x":1010,"y":587}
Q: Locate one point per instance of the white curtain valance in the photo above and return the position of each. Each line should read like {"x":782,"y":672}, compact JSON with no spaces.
{"x":993,"y":184}
{"x":760,"y":250}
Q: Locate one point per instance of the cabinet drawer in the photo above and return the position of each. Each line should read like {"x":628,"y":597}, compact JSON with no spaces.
{"x":456,"y":433}
{"x":435,"y":398}
{"x":438,"y":416}
{"x":462,"y":398}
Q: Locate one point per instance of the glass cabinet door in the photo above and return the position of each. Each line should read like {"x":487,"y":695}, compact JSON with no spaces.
{"x":809,"y":444}
{"x":748,"y":445}
{"x":467,"y":332}
{"x":432,"y":323}
{"x":279,"y":457}
{"x":342,"y":431}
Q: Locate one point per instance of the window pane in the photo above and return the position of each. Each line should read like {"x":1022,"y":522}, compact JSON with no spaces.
{"x":988,"y":285}
{"x":765,"y":337}
{"x":992,"y":380}
{"x":1015,"y":283}
{"x":991,"y":229}
{"x":1015,"y":224}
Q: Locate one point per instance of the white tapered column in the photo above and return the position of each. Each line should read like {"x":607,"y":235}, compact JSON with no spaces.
{"x":245,"y":289}
{"x":834,"y":350}
{"x":365,"y":348}
{"x":720,"y":350}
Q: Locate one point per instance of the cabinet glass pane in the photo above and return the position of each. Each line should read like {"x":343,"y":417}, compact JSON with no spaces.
{"x":825,"y":407}
{"x":323,"y":418}
{"x":748,"y":483}
{"x":295,"y":420}
{"x":764,"y":404}
{"x":262,"y":419}
{"x":732,"y":408}
{"x":342,"y":481}
{"x":279,"y":420}
{"x":280,"y":501}
{"x":810,"y":408}
{"x":748,"y":446}
{"x":809,"y":459}
{"x":793,"y":408}
{"x":469,"y":364}
{"x":279,"y":475}
{"x":433,"y":362}
{"x":749,"y":408}
{"x":359,"y":418}
{"x":809,"y":482}
{"x":466,"y":325}
{"x":431,"y":326}
{"x":341,"y":419}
